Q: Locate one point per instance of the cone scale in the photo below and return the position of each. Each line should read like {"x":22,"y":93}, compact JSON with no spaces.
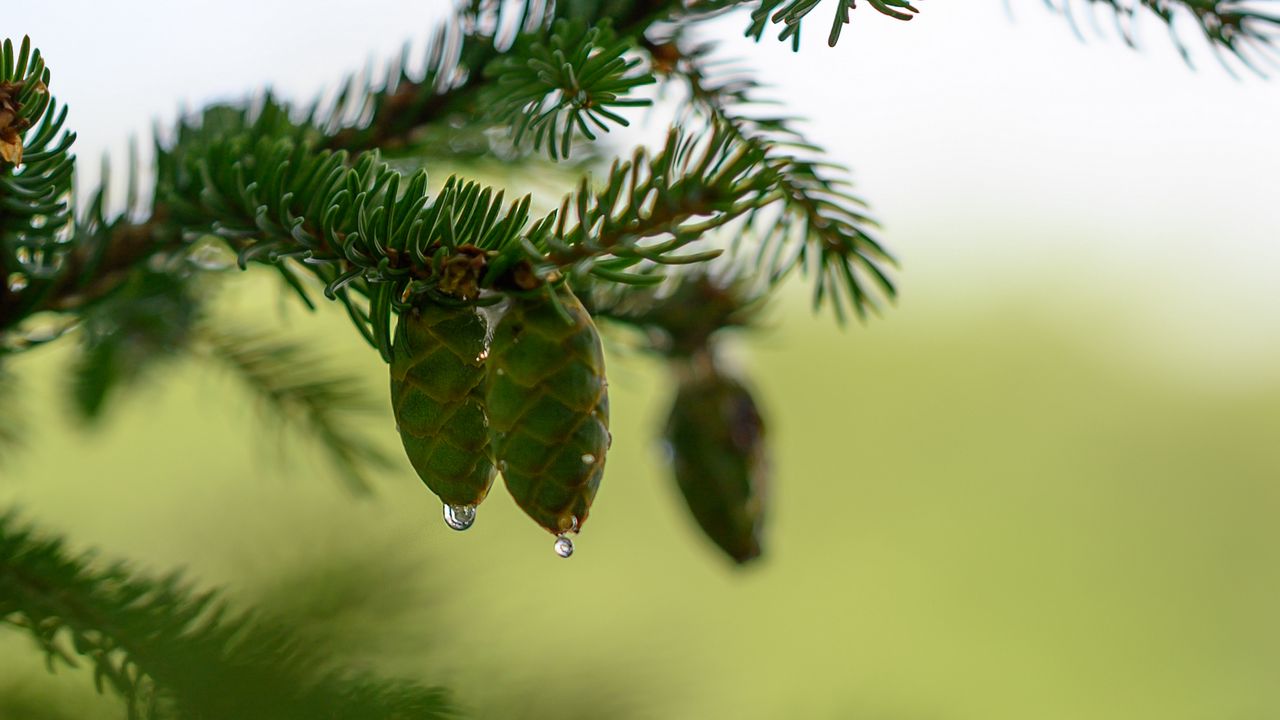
{"x":437,"y":378}
{"x":548,"y":407}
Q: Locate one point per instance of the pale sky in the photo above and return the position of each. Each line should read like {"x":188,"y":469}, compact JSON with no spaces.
{"x":1001,"y":153}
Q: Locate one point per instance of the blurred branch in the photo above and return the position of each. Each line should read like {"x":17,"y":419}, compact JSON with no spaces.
{"x":1240,"y":27}
{"x":169,"y":651}
{"x":145,"y":321}
{"x":297,"y":388}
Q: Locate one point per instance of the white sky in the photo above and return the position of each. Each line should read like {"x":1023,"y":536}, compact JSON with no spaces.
{"x":1000,"y":153}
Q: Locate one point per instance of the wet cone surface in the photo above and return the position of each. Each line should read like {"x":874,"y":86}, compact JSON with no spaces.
{"x":548,"y":407}
{"x":437,"y":378}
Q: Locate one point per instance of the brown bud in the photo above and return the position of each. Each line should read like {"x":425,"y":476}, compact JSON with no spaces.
{"x":11,"y":121}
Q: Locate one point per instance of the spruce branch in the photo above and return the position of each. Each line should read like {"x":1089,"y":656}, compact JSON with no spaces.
{"x":363,"y":230}
{"x":693,"y":185}
{"x":170,"y":651}
{"x":544,"y":46}
{"x":809,"y":220}
{"x":221,"y":167}
{"x":1242,"y":28}
{"x":377,"y":240}
{"x":790,"y":14}
{"x":468,"y":58}
{"x":557,"y":89}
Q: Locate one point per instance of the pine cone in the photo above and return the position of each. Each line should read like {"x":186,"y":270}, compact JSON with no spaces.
{"x":437,"y":378}
{"x":548,"y":407}
{"x":717,"y":447}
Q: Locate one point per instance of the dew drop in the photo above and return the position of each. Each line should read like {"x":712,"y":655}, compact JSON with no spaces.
{"x":564,"y":546}
{"x":566,"y":523}
{"x":44,"y":330}
{"x":459,"y":517}
{"x":17,"y":282}
{"x":484,"y":355}
{"x":501,"y":371}
{"x":588,"y":458}
{"x":211,"y":254}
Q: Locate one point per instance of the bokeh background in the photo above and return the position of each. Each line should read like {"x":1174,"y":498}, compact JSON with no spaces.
{"x":1043,"y":485}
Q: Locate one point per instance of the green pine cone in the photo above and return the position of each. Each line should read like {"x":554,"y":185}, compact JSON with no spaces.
{"x":437,"y":378}
{"x":717,"y":449}
{"x":548,"y":408}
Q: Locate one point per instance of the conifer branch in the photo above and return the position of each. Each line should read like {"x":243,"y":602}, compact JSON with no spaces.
{"x":376,"y":240}
{"x":690,"y":187}
{"x":564,"y":62}
{"x":790,"y":14}
{"x":170,"y":651}
{"x":556,"y":90}
{"x":810,"y":220}
{"x":1242,"y":28}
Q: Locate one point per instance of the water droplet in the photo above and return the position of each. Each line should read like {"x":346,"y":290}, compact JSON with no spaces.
{"x":23,"y":255}
{"x":566,"y":523}
{"x":564,"y":546}
{"x":588,"y":458}
{"x":459,"y":517}
{"x":17,"y":282}
{"x":501,"y":371}
{"x":484,"y":355}
{"x":211,"y":254}
{"x":43,"y":330}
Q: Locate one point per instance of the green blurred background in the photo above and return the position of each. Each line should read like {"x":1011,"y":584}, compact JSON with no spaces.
{"x":1044,"y":485}
{"x":979,"y":511}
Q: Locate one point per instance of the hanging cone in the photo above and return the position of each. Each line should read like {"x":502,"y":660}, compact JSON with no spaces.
{"x":548,"y":407}
{"x":717,"y":448}
{"x":437,"y":378}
